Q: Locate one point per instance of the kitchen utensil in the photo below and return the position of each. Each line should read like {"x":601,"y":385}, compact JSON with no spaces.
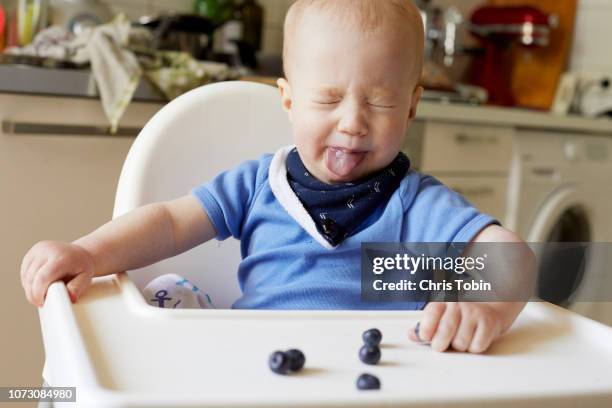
{"x":31,"y":17}
{"x":500,"y":29}
{"x":183,"y":32}
{"x":441,"y":30}
{"x":536,"y":73}
{"x":2,"y":27}
{"x":594,"y":97}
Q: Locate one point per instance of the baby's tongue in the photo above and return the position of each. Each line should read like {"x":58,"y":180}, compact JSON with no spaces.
{"x":340,"y":162}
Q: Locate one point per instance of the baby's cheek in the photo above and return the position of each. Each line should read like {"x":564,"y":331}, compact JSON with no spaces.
{"x":306,"y":144}
{"x":393,"y":137}
{"x":304,"y":128}
{"x":309,"y":134}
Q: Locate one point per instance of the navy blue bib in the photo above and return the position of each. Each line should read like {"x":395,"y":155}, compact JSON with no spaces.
{"x":338,"y":209}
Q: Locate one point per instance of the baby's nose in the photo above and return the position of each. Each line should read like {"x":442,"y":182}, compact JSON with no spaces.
{"x":353,"y":122}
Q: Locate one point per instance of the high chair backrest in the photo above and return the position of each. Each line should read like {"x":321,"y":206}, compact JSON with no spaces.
{"x":188,"y":142}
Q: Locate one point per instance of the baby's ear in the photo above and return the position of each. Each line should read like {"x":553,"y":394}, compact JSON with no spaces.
{"x":285,"y":91}
{"x":415,"y":99}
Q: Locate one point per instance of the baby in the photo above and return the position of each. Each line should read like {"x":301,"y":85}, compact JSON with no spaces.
{"x":351,"y":91}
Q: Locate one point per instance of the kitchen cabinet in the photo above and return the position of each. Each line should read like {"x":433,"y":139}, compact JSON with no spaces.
{"x":475,"y":149}
{"x":52,"y":186}
{"x":474,"y":160}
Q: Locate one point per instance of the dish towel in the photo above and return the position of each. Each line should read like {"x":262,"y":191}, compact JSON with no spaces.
{"x":119,"y":55}
{"x":115,"y":68}
{"x":172,"y":291}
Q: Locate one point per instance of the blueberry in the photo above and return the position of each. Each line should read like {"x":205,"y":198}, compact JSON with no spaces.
{"x":279,"y":362}
{"x":369,"y":354}
{"x":372,"y":337}
{"x":368,"y":382}
{"x":296,"y":359}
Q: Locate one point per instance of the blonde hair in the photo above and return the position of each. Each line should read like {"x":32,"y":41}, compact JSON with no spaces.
{"x":369,"y":15}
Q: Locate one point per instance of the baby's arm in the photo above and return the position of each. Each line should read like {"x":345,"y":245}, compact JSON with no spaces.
{"x":139,"y":238}
{"x":472,"y":326}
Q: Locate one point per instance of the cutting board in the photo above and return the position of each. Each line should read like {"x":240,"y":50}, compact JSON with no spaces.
{"x":537,"y":71}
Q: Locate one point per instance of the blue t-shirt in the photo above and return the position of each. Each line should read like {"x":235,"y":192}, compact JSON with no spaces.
{"x":286,"y":267}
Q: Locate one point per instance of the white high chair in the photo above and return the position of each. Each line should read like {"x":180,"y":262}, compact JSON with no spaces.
{"x":188,"y":142}
{"x":120,"y":352}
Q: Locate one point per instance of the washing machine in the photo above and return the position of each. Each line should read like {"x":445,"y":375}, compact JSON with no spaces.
{"x":560,"y":190}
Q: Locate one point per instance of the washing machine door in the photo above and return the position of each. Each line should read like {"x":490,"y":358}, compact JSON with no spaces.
{"x":578,"y":275}
{"x":564,"y":217}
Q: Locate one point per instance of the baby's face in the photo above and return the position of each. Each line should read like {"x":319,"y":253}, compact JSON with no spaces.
{"x":350,"y":98}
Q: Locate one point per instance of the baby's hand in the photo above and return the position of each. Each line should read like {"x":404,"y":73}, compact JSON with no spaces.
{"x":464,"y":326}
{"x":50,"y":261}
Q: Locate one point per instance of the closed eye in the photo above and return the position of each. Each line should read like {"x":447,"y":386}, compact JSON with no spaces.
{"x":381,"y":106}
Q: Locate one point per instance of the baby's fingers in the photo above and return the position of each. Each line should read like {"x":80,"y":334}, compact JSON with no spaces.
{"x":465,"y":333}
{"x":48,"y":273}
{"x":427,"y":327}
{"x":447,"y":327}
{"x":27,"y":278}
{"x":25,"y":265}
{"x":78,"y":285}
{"x":486,"y":331}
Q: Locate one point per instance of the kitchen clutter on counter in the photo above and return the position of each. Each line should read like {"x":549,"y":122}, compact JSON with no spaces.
{"x":119,"y":55}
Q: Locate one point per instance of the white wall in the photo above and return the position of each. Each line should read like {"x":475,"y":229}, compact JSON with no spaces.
{"x":592,"y":52}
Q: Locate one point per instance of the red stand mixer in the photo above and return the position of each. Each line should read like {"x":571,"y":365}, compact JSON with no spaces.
{"x":500,"y":28}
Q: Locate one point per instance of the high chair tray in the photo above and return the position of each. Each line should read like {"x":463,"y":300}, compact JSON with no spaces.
{"x":120,"y":352}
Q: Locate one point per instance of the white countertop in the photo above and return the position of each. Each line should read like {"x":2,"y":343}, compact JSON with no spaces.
{"x":519,"y":118}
